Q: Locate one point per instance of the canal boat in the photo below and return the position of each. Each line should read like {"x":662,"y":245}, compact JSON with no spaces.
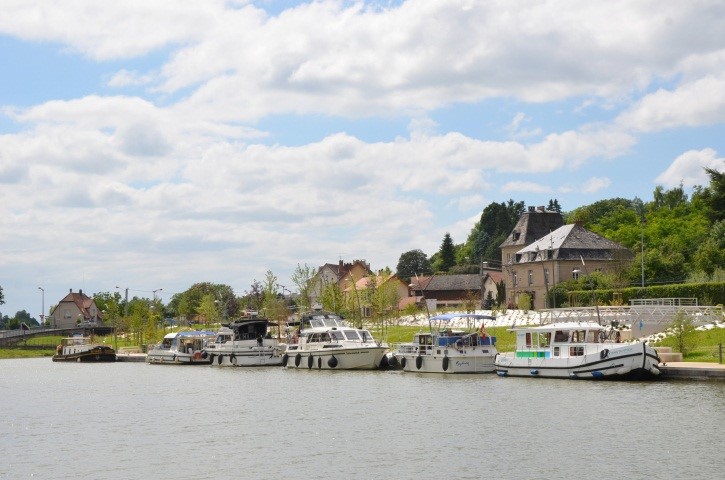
{"x":247,"y":342}
{"x":181,"y":348}
{"x":445,"y":350}
{"x":325,"y":341}
{"x":82,"y":349}
{"x":577,"y":350}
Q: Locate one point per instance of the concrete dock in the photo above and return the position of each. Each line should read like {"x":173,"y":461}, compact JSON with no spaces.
{"x":692,"y":371}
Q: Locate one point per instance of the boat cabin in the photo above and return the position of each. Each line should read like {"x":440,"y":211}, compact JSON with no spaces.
{"x":186,"y":342}
{"x":559,"y":340}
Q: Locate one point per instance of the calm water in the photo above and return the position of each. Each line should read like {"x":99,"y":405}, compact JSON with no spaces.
{"x":138,"y":421}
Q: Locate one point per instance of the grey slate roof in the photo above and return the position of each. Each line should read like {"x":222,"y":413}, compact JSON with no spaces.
{"x":532,"y":225}
{"x":569,"y":243}
{"x":469,"y":281}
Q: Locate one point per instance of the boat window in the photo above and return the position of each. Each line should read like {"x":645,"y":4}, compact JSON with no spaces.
{"x":528,"y":339}
{"x":576,"y":351}
{"x":315,"y":337}
{"x":544,"y":339}
{"x":556,"y":351}
{"x":325,"y":337}
{"x":351,"y":335}
{"x":578,"y":336}
{"x":561,"y":336}
{"x":593,"y":336}
{"x":337,"y":335}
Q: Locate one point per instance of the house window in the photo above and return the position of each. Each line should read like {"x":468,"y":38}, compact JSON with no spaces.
{"x":531,"y":277}
{"x":516,"y":279}
{"x":546,"y":276}
{"x":575,"y":274}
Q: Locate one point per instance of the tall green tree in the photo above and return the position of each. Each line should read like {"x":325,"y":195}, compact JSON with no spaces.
{"x":412,"y":263}
{"x":302,"y":278}
{"x":208,"y":309}
{"x":446,"y":255}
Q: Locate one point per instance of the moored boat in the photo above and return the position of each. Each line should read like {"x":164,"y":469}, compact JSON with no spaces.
{"x":247,"y":342}
{"x":327,"y":342}
{"x":445,"y":350}
{"x":82,"y":349}
{"x":181,"y":348}
{"x":576,"y":350}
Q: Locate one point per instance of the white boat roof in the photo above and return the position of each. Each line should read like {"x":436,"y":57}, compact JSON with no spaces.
{"x":192,"y":334}
{"x":550,"y":327}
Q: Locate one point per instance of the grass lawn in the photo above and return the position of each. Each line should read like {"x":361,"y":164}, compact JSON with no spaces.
{"x":704,"y":345}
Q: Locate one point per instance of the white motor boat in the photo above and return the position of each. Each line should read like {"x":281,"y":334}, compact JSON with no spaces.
{"x":576,"y":350}
{"x":181,"y":348}
{"x":326,"y":342}
{"x":247,"y":342}
{"x":444,"y":350}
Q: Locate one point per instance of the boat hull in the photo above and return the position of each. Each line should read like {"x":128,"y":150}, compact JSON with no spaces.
{"x":176,"y":358}
{"x":98,"y":354}
{"x":616,"y":362}
{"x":366,"y":358}
{"x":447,"y":363}
{"x":245,"y":357}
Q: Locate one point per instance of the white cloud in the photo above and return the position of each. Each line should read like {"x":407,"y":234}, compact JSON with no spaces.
{"x":701,"y":102}
{"x":595,"y":184}
{"x":689,"y":168}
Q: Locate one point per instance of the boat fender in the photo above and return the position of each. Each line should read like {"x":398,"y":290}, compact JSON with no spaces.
{"x":445,"y":363}
{"x":319,"y":362}
{"x":219,"y":360}
{"x":310,"y":361}
{"x":173,"y":358}
{"x":332,"y":362}
{"x":298,"y":359}
{"x":233,"y":359}
{"x":604,"y":353}
{"x":402,"y":362}
{"x":393,"y":361}
{"x":284,"y":359}
{"x":418,"y":362}
{"x":384,"y":363}
{"x":204,"y":355}
{"x":211,"y":358}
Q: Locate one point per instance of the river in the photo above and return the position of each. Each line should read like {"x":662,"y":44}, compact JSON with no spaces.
{"x":138,"y":421}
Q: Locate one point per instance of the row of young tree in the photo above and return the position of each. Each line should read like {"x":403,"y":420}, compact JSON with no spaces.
{"x":682,"y":238}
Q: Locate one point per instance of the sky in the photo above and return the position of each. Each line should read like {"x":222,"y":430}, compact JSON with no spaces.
{"x":153,"y":145}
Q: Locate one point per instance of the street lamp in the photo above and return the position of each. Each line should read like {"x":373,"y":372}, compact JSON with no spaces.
{"x":591,"y":284}
{"x":126,"y":301}
{"x":42,"y":311}
{"x":154,"y":292}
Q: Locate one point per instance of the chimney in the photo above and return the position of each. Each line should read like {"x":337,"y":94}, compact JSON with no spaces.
{"x":541,"y":209}
{"x":531,"y":209}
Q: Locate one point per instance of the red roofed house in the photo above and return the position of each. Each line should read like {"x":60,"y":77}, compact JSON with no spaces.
{"x":75,"y":308}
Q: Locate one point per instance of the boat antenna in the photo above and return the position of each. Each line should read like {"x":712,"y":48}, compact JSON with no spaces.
{"x":425,"y":300}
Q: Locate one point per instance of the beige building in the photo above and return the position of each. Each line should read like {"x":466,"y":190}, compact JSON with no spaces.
{"x":339,"y":274}
{"x":564,"y":254}
{"x":73,"y":309}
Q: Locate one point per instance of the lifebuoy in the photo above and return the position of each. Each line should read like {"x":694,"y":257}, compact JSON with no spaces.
{"x":604,"y":354}
{"x":418,"y":362}
{"x":197,"y":355}
{"x":445,"y":363}
{"x":298,"y":359}
{"x":332,"y":362}
{"x":310,"y":361}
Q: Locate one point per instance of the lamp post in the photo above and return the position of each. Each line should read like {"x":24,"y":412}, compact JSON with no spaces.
{"x":42,"y":308}
{"x":154,"y":292}
{"x":591,"y":284}
{"x":642,"y":223}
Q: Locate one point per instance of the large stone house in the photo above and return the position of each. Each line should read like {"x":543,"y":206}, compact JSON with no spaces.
{"x":564,"y":254}
{"x":73,"y":309}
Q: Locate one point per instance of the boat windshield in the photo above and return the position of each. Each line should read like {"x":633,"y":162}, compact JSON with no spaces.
{"x":351,"y":335}
{"x":337,"y":335}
